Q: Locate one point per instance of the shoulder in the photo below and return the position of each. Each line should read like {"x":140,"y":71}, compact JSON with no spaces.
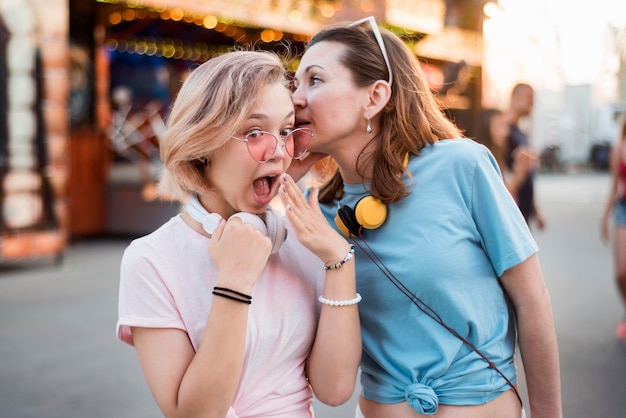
{"x":454,"y":153}
{"x":458,"y":147}
{"x":167,"y":238}
{"x":453,"y":166}
{"x":516,"y":136}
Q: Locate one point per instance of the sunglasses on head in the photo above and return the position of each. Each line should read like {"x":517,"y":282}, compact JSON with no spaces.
{"x":379,"y":39}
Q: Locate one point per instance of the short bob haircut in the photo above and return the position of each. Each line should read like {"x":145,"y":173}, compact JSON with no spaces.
{"x":211,"y":105}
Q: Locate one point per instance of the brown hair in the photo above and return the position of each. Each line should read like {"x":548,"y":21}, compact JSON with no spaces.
{"x":211,"y":105}
{"x":410,"y":120}
{"x":485,"y":137}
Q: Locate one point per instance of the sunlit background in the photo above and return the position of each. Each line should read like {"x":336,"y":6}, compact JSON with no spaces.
{"x":573,"y":52}
{"x":85,"y":89}
{"x":86,"y":86}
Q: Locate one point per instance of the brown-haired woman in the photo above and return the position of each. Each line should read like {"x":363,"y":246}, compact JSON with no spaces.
{"x":446,"y":264}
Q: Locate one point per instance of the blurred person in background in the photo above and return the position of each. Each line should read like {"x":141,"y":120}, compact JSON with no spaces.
{"x":233,"y":308}
{"x":615,"y":214}
{"x":494,"y":132}
{"x":521,"y":105}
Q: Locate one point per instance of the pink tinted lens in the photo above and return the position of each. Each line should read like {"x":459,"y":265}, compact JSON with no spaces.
{"x":262,"y":147}
{"x":300,"y":142}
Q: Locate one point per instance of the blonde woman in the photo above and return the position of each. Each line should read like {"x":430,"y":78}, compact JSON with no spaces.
{"x":235,"y":310}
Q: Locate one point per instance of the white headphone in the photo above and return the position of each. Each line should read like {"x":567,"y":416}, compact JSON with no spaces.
{"x":273,"y":226}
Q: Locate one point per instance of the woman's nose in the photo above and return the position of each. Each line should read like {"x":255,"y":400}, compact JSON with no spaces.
{"x":281,"y":149}
{"x":298,"y":97}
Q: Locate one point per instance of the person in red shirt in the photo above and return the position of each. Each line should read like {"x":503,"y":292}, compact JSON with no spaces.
{"x":616,"y":206}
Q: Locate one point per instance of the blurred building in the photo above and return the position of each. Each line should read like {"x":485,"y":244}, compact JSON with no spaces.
{"x":85,"y":87}
{"x":34,"y":162}
{"x":576,"y":61}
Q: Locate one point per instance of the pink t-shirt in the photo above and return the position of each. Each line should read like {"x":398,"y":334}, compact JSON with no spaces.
{"x":166,"y":282}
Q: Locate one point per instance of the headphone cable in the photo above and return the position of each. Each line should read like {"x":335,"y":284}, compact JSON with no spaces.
{"x":422,"y":306}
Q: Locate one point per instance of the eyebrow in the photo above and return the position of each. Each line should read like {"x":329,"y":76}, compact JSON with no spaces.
{"x":264,"y":116}
{"x":309,"y":69}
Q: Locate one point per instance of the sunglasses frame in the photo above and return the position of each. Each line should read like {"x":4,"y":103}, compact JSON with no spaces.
{"x":284,"y":139}
{"x":379,"y":38}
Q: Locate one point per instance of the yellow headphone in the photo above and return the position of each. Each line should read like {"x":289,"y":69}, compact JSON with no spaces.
{"x":369,"y":213}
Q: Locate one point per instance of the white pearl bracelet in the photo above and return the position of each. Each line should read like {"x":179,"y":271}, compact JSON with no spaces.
{"x":347,"y":302}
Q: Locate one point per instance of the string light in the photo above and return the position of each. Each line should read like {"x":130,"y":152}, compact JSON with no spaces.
{"x":298,"y":13}
{"x":167,"y":48}
{"x":315,"y":13}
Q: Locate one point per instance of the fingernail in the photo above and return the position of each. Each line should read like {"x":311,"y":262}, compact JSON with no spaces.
{"x":285,"y":178}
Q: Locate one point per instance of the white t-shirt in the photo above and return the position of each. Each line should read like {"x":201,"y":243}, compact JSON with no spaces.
{"x":166,"y":282}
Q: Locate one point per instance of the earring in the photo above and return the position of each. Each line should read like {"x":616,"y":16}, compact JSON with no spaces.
{"x":369,"y":126}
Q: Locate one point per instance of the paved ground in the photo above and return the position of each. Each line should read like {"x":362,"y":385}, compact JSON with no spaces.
{"x":59,"y":356}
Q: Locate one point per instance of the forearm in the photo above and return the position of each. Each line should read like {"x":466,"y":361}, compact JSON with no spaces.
{"x":614,"y":185}
{"x":210,"y":382}
{"x":334,"y":360}
{"x":608,"y":209}
{"x":513,"y":181}
{"x":539,"y":352}
{"x":610,"y":201}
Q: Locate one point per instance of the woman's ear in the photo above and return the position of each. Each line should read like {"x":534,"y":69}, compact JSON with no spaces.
{"x":379,"y":95}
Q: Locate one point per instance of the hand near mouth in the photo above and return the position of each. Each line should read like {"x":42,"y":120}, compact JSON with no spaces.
{"x":298,"y":168}
{"x":310,"y":225}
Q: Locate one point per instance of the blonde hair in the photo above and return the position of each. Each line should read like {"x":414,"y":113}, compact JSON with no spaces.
{"x":411,"y":119}
{"x":212,"y":104}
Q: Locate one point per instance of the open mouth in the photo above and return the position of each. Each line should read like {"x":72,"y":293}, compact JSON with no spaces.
{"x":264,"y":186}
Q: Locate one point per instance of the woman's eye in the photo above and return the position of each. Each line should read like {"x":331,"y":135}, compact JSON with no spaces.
{"x":314,"y":80}
{"x":254,"y":134}
{"x":285,"y":132}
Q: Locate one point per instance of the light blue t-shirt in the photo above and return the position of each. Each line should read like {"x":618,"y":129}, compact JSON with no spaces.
{"x":447,"y":242}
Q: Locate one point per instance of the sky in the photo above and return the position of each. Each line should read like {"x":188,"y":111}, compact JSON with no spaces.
{"x":549,"y":43}
{"x":583,"y":28}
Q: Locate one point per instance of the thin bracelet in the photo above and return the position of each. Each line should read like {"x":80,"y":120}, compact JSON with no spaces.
{"x":347,"y":302}
{"x":225,"y":289}
{"x":224,"y":295}
{"x":342,"y":262}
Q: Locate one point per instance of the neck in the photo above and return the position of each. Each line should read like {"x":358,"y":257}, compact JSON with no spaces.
{"x":350,"y":176}
{"x":347,"y":161}
{"x":197,"y":212}
{"x":512,"y":118}
{"x":193,"y":224}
